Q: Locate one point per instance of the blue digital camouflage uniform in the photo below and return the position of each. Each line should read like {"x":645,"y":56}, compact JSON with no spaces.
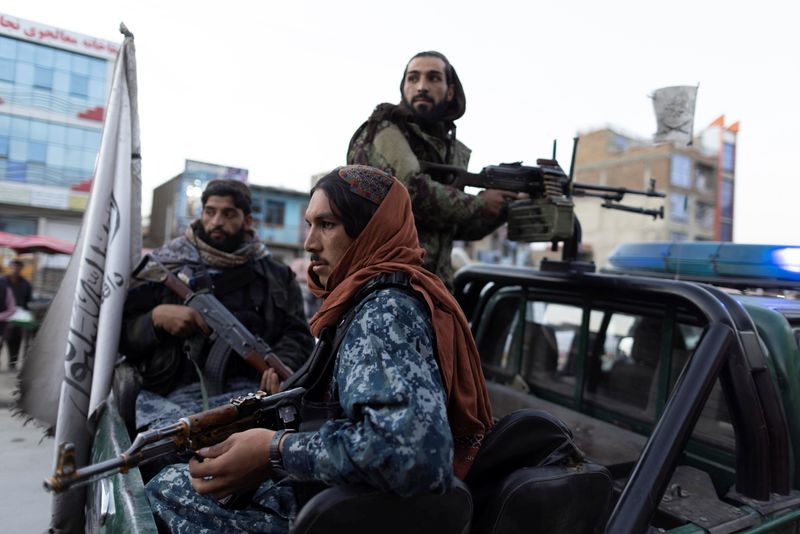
{"x":442,"y":213}
{"x":396,"y":436}
{"x":153,"y":410}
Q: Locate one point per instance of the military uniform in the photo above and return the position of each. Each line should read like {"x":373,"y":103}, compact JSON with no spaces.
{"x":442,"y":213}
{"x":393,"y":435}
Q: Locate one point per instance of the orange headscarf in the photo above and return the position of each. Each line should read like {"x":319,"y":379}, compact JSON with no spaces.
{"x":389,"y":243}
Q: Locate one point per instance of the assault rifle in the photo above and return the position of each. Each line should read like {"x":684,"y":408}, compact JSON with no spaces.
{"x":548,"y":213}
{"x":228,"y":333}
{"x":255,"y":410}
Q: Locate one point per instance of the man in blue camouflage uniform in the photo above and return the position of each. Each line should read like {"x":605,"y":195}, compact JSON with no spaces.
{"x":382,"y":376}
{"x":422,"y":128}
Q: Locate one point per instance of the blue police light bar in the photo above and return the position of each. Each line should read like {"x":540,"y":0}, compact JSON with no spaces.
{"x":710,"y":259}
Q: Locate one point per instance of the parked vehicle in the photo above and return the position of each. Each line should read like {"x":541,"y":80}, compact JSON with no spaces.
{"x":687,"y":393}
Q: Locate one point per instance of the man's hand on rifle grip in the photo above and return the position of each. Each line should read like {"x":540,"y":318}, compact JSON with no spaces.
{"x":270,"y":381}
{"x":179,"y":321}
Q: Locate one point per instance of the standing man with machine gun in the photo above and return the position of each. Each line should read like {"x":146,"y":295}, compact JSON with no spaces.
{"x":165,"y":335}
{"x":422,"y":128}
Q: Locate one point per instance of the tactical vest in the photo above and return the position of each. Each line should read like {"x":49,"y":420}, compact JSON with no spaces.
{"x":321,"y":401}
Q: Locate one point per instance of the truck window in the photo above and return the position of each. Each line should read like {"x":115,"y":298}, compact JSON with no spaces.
{"x":542,"y":349}
{"x":625,"y":366}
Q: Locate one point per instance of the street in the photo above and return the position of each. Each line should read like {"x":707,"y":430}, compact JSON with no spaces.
{"x":26,"y":458}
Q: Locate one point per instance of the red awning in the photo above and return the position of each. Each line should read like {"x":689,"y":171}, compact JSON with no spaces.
{"x":35,"y":243}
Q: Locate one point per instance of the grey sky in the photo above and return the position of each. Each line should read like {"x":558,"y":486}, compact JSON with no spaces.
{"x":279,"y":87}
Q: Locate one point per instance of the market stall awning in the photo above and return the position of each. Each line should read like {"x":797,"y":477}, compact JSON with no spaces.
{"x":35,"y":243}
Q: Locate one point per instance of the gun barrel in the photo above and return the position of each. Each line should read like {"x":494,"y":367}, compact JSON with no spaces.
{"x":655,"y":213}
{"x":617,"y":191}
{"x":133,"y":457}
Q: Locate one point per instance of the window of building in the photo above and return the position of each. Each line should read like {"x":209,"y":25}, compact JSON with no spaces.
{"x":55,"y":156}
{"x":88,"y":158}
{"x":18,"y":225}
{"x":26,"y":52}
{"x":679,"y":207}
{"x":79,"y":85}
{"x":678,"y":236}
{"x":37,"y":173}
{"x":43,"y":78}
{"x":62,"y":60}
{"x":619,"y":143}
{"x":23,"y":75}
{"x":37,"y":152}
{"x":57,"y":134}
{"x":6,"y":70}
{"x":726,"y":231}
{"x":73,"y":159}
{"x":274,"y":212}
{"x":38,"y":130}
{"x":80,"y":64}
{"x":728,"y":156}
{"x":726,"y":199}
{"x":16,"y":171}
{"x":704,"y":178}
{"x":91,"y":139}
{"x":681,"y":171}
{"x":19,"y":127}
{"x":45,"y":56}
{"x":61,"y":82}
{"x":97,"y":68}
{"x":17,"y":149}
{"x":704,"y":215}
{"x":8,"y":47}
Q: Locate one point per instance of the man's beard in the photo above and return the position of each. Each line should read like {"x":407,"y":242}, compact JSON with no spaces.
{"x":231,"y":243}
{"x":430,"y":116}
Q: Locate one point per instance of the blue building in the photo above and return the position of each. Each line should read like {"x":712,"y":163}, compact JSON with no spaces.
{"x":53,"y":89}
{"x":278,"y":213}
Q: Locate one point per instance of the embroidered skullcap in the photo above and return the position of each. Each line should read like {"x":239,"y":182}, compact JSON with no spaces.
{"x":367,"y":182}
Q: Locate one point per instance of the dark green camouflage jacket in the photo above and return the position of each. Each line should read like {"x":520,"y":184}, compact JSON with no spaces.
{"x":442,"y":213}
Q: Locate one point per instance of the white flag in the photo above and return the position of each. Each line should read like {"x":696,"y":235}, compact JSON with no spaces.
{"x":70,"y":364}
{"x":674,"y":107}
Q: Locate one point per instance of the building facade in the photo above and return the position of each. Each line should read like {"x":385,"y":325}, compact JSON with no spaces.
{"x":53,"y":89}
{"x":277,"y":212}
{"x":698,"y":181}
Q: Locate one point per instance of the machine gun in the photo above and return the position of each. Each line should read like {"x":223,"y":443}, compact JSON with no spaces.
{"x":549,"y":212}
{"x":255,"y":410}
{"x":548,"y":215}
{"x":228,"y":333}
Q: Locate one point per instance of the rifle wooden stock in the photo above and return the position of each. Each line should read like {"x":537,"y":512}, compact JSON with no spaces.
{"x":188,"y":434}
